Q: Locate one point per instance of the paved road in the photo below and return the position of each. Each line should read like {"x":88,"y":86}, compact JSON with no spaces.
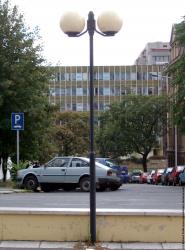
{"x":130,"y":196}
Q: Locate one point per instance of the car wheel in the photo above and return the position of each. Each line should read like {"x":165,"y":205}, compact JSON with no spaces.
{"x":85,"y":184}
{"x":31,"y":183}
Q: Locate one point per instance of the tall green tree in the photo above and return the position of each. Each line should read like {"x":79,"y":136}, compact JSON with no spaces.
{"x":134,"y":125}
{"x":71,"y":133}
{"x":177,"y":72}
{"x":23,"y":86}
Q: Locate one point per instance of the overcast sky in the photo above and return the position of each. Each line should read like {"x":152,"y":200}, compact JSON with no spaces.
{"x":143,"y":21}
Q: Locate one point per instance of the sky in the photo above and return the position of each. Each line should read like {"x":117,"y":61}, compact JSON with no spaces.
{"x":143,"y":21}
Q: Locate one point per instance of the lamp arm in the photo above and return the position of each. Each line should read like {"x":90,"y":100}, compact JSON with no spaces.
{"x":100,"y":33}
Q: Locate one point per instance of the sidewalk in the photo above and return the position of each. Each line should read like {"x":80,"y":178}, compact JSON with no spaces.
{"x":43,"y":245}
{"x":4,"y":190}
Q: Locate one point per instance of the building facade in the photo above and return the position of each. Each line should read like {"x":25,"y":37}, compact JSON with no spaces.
{"x":69,"y":88}
{"x":156,"y":53}
{"x":175,"y":140}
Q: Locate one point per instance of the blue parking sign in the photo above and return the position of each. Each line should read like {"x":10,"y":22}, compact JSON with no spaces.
{"x":17,"y":120}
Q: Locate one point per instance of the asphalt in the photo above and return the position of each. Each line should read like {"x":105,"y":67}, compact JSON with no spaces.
{"x":44,"y":245}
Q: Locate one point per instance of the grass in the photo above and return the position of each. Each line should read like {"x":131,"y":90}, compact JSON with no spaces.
{"x":7,"y":184}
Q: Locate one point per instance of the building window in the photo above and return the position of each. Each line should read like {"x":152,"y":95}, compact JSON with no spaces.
{"x":73,"y":91}
{"x":79,"y":107}
{"x":128,"y":76}
{"x":85,"y":91}
{"x":84,"y":106}
{"x":73,"y":76}
{"x":101,"y":106}
{"x":69,"y":106}
{"x":74,"y":106}
{"x":79,"y":91}
{"x":84,"y":76}
{"x":117,"y":76}
{"x":106,"y":76}
{"x":101,"y":91}
{"x":106,"y":91}
{"x":112,"y":76}
{"x":117,"y":91}
{"x":123,"y":76}
{"x":68,"y":91}
{"x":79,"y":77}
{"x":100,"y":75}
{"x":62,"y":76}
{"x":133,"y":76}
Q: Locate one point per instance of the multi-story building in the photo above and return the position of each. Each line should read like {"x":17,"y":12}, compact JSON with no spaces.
{"x":175,"y":140}
{"x":156,"y":53}
{"x":69,"y":88}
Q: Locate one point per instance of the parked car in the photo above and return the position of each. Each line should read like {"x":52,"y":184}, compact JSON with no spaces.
{"x":135,"y":176}
{"x":121,"y":170}
{"x":165,"y":175}
{"x":156,"y":178}
{"x":149,"y":177}
{"x":173,"y":178}
{"x":143,"y":178}
{"x":67,"y":173}
{"x":182,"y":178}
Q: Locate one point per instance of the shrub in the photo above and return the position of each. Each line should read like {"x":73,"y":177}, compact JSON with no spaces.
{"x":15,"y":168}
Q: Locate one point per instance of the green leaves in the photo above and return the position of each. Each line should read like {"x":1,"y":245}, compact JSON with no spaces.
{"x":134,"y":125}
{"x":23,"y":87}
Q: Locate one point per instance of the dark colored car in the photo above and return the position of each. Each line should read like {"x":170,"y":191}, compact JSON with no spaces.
{"x":121,"y":170}
{"x":173,"y":178}
{"x":182,"y":178}
{"x":165,"y":175}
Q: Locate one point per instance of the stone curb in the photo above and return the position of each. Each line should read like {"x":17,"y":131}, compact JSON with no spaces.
{"x":34,"y":245}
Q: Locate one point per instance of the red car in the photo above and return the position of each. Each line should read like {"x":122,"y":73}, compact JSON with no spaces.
{"x":156,"y":178}
{"x":173,"y":178}
{"x":143,"y":178}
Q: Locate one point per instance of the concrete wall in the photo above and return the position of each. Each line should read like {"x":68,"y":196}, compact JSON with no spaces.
{"x":115,"y":225}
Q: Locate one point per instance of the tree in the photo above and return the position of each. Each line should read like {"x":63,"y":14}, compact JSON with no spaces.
{"x":23,"y":87}
{"x":177,"y":73}
{"x":133,"y":125}
{"x":71,"y":133}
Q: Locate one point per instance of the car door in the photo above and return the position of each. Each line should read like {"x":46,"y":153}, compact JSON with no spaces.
{"x":55,"y":170}
{"x":76,"y":169}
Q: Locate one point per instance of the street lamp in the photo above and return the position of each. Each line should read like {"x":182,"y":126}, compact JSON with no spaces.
{"x":72,"y":24}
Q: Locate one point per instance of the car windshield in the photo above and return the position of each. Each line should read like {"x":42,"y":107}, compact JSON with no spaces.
{"x":180,"y":168}
{"x":136,"y":173}
{"x":111,"y":163}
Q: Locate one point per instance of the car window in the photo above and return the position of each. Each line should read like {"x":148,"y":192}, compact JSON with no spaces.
{"x":58,"y":162}
{"x":111,"y":163}
{"x":76,"y":163}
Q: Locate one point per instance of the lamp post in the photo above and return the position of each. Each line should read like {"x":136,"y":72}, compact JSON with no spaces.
{"x":73,"y":25}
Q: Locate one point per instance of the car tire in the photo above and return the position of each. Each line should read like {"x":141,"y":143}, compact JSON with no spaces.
{"x":85,"y":184}
{"x":31,"y":183}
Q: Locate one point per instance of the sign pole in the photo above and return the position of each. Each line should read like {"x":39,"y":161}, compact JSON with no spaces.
{"x":18,"y":148}
{"x":17,"y":123}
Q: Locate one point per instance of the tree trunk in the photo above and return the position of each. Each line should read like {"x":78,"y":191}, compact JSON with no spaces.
{"x":4,"y":166}
{"x":145,"y":162}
